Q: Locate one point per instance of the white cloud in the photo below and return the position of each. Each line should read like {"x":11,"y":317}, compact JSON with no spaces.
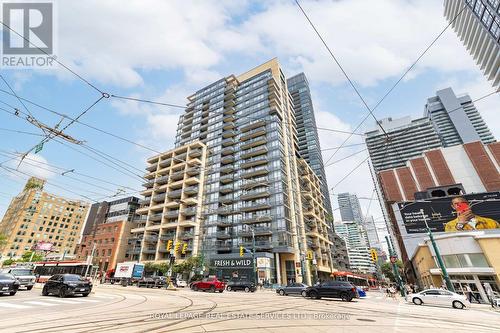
{"x":32,"y":165}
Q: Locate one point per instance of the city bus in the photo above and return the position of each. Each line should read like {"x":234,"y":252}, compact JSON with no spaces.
{"x":45,"y":269}
{"x":358,"y":280}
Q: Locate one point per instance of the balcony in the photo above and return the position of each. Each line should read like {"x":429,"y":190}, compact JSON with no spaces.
{"x":162,"y":180}
{"x":258,"y":244}
{"x":148,"y":184}
{"x":191,"y":190}
{"x":226,"y":179}
{"x":155,"y":217}
{"x":134,"y":251}
{"x":159,"y":197}
{"x":179,"y":175}
{"x":311,"y":244}
{"x":254,"y":152}
{"x":168,"y":236}
{"x":226,"y":199}
{"x":226,"y":188}
{"x":254,"y":142}
{"x":250,"y":162}
{"x":253,"y":134}
{"x":253,"y":124}
{"x":256,"y":194}
{"x":187,"y":235}
{"x":259,"y":171}
{"x":224,"y":210}
{"x":258,"y":231}
{"x":227,"y":168}
{"x":175,"y":194}
{"x":223,"y":235}
{"x":229,"y":103}
{"x":250,"y":206}
{"x":172,"y":214}
{"x":195,"y":152}
{"x":145,"y":201}
{"x":227,"y":151}
{"x":151,"y":167}
{"x":166,"y":163}
{"x":227,"y":160}
{"x":149,"y":250}
{"x":189,"y":211}
{"x":228,"y":142}
{"x":228,"y":134}
{"x":193,"y":171}
{"x":253,"y":218}
{"x":251,"y":183}
{"x":229,"y":110}
{"x":151,"y":239}
{"x":224,"y":222}
{"x":224,"y":245}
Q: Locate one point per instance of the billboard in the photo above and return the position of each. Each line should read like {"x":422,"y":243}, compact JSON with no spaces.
{"x":44,"y":246}
{"x":452,"y":214}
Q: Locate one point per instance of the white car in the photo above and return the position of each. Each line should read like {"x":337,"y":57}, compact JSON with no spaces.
{"x":181,"y":283}
{"x":439,"y":297}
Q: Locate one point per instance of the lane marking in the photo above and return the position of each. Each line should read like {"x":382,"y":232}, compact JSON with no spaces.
{"x":14,"y":306}
{"x":41,"y":303}
{"x":65,"y":301}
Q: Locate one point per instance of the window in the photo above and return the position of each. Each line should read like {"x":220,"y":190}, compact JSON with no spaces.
{"x":478,"y":260}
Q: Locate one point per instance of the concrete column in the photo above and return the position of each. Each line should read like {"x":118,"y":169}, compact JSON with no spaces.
{"x":480,"y":288}
{"x":277,"y":264}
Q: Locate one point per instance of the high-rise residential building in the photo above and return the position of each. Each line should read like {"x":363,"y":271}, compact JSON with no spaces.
{"x":35,"y":216}
{"x":169,"y":224}
{"x":456,"y":119}
{"x":358,"y":250}
{"x":350,"y":209}
{"x":252,"y":194}
{"x":477,"y":24}
{"x":371,"y":233}
{"x":407,"y":138}
{"x":340,"y":258}
{"x":106,"y":235}
{"x":307,"y":133}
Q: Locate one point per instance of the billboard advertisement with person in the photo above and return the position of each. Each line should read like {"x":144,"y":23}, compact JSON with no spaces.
{"x":452,"y":214}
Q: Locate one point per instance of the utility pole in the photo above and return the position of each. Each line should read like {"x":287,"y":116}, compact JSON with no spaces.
{"x":395,"y":268}
{"x":90,"y":259}
{"x":446,"y":277}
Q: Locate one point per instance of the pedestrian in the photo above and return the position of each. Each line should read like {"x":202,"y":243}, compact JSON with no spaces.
{"x":443,"y":286}
{"x":470,"y":294}
{"x":431,"y":286}
{"x":490,"y":294}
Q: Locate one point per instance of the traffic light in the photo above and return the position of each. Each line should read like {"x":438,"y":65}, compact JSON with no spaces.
{"x":309,"y":255}
{"x":169,"y":245}
{"x":242,"y":251}
{"x":176,"y":247}
{"x":374,"y":255}
{"x":184,"y":248}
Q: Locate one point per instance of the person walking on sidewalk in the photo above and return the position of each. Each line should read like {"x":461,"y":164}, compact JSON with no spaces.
{"x":470,"y":294}
{"x":490,"y":294}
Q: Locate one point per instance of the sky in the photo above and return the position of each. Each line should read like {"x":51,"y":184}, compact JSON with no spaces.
{"x":166,"y":50}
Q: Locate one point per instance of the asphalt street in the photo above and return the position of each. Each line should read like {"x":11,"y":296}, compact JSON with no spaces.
{"x":131,"y":309}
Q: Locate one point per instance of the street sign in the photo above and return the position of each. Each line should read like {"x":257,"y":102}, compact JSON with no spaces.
{"x":38,"y":147}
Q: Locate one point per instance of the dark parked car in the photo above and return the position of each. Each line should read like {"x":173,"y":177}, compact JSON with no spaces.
{"x":8,"y":284}
{"x":333,"y":289}
{"x":241,"y":285}
{"x":66,"y":285}
{"x":24,"y":275}
{"x":293,"y":289}
{"x":152,"y":282}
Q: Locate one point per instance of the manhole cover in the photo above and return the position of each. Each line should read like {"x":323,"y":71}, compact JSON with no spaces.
{"x":364,"y":319}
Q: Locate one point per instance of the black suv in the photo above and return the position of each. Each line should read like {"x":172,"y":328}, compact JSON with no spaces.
{"x":241,"y":285}
{"x":333,"y":289}
{"x":67,"y":284}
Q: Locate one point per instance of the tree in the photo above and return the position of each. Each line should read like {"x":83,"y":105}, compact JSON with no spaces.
{"x":187,"y":265}
{"x":3,"y":240}
{"x":155,"y":268}
{"x":388,"y":271}
{"x":8,"y":262}
{"x":26,"y":257}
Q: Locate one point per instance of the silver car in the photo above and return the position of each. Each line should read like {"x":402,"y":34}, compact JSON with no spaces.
{"x":24,"y":276}
{"x":293,"y":289}
{"x":439,"y":297}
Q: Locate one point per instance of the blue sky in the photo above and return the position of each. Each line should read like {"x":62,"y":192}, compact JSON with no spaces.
{"x":165,"y":51}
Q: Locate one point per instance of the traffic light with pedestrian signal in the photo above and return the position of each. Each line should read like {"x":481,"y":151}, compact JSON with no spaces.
{"x":184,"y":248}
{"x":242,"y":251}
{"x":169,"y":245}
{"x":374,"y":255}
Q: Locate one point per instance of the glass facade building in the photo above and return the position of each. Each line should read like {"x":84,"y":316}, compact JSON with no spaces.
{"x":309,"y":146}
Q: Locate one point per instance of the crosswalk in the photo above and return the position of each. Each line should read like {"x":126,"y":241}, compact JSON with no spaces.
{"x":51,"y":301}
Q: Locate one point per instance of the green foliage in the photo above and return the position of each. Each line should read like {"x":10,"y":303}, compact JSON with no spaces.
{"x":151,"y":267}
{"x":27,"y":256}
{"x":187,"y":265}
{"x":388,"y":271}
{"x":8,"y":262}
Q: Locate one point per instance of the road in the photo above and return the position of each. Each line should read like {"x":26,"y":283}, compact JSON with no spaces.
{"x":130,"y":309}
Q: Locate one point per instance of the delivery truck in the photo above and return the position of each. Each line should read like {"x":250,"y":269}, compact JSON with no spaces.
{"x":126,"y":272}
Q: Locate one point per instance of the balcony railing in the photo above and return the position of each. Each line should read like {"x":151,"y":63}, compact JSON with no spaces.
{"x":254,"y":218}
{"x":172,"y":213}
{"x":162,"y":180}
{"x":189,"y":211}
{"x":254,"y":152}
{"x":255,"y":172}
{"x":175,"y":193}
{"x":155,"y":217}
{"x":149,"y":250}
{"x":249,"y":206}
{"x":223,"y":235}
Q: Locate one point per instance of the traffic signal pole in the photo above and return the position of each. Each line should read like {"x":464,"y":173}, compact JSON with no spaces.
{"x":395,"y":269}
{"x":446,"y":277}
